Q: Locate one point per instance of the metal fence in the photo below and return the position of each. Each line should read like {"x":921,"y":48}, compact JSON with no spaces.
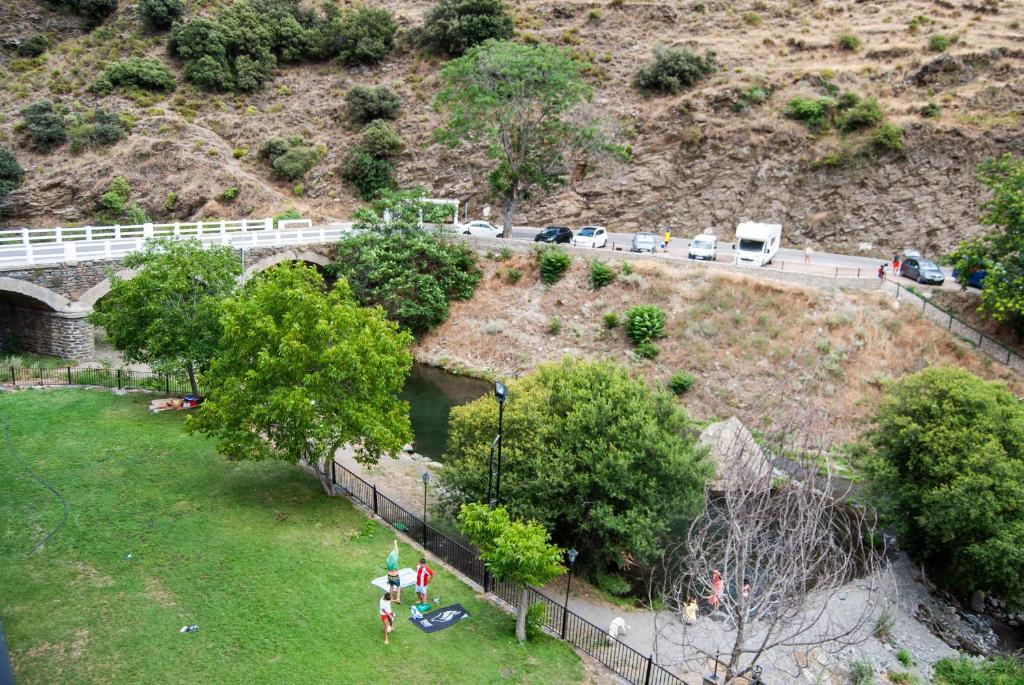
{"x":573,"y":628}
{"x":958,"y":327}
{"x":123,"y":379}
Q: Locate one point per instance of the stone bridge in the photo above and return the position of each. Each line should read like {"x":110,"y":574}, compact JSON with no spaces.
{"x":43,"y":308}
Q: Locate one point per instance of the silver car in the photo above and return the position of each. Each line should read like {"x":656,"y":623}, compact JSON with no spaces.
{"x":644,"y":242}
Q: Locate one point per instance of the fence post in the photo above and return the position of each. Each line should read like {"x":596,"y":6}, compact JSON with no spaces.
{"x":14,"y":378}
{"x":650,"y":665}
{"x":1007,"y":356}
{"x":119,"y":379}
{"x":69,"y":375}
{"x":837,"y":272}
{"x":858,"y":272}
{"x":167,"y":384}
{"x":950,"y":326}
{"x":374,"y":498}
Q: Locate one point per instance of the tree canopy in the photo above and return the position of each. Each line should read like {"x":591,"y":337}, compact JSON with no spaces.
{"x":598,"y":457}
{"x":301,"y":372}
{"x":522,"y":103}
{"x":949,"y":471}
{"x":167,"y":314}
{"x":516,"y":551}
{"x":1001,"y":252}
{"x":453,"y":26}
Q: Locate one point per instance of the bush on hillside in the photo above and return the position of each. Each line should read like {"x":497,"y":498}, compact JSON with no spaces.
{"x":680,"y":382}
{"x":627,"y":477}
{"x":44,"y":124}
{"x":674,"y":70}
{"x":860,"y":114}
{"x":287,"y":215}
{"x":1001,"y":670}
{"x":11,"y":173}
{"x":96,"y":128}
{"x":366,"y":35}
{"x":139,"y":72}
{"x":553,"y":264}
{"x":290,"y":159}
{"x":411,"y":274}
{"x":848,"y":42}
{"x":938,"y":43}
{"x":34,"y":45}
{"x":600,"y":274}
{"x":116,"y":197}
{"x":816,"y":113}
{"x":454,"y":26}
{"x":364,"y":104}
{"x":645,"y":323}
{"x":379,"y":140}
{"x":948,"y":472}
{"x":159,"y":15}
{"x":94,"y":11}
{"x":367,"y":174}
{"x":888,"y":137}
{"x":272,"y":148}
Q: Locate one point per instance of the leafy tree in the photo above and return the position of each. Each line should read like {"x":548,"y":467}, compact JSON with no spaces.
{"x":413,"y":275}
{"x":370,"y":166}
{"x":674,"y":70}
{"x":11,"y":173}
{"x":45,"y":124}
{"x":167,"y":314}
{"x":949,"y":472}
{"x":516,"y":551}
{"x":591,"y":453}
{"x":523,"y":104}
{"x":403,"y":210}
{"x":379,"y":140}
{"x":364,"y":104}
{"x":1001,"y":252}
{"x":299,"y":373}
{"x":366,"y":35}
{"x":139,"y":72}
{"x":158,"y":15}
{"x":454,"y":26}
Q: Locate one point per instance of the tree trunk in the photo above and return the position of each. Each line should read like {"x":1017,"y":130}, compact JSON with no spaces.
{"x":734,"y":657}
{"x":323,"y":472}
{"x":192,"y":379}
{"x":521,"y":616}
{"x":509,"y":205}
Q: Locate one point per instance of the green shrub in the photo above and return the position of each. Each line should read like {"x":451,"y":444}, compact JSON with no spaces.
{"x":364,"y":104}
{"x":613,"y":583}
{"x":646,"y":350}
{"x":379,"y":140}
{"x":366,"y":173}
{"x":240,"y":152}
{"x":816,"y":113}
{"x":170,"y":200}
{"x":286,"y":215}
{"x":158,"y":15}
{"x":299,"y":189}
{"x":930,"y":110}
{"x":11,"y":173}
{"x":272,"y":148}
{"x":751,"y":97}
{"x":680,"y":382}
{"x":883,"y":626}
{"x":938,"y":42}
{"x":295,"y":162}
{"x":34,"y":45}
{"x":861,"y":673}
{"x":96,"y":128}
{"x":94,"y":11}
{"x":861,"y":114}
{"x":903,"y":656}
{"x":888,"y":137}
{"x":956,"y":510}
{"x":644,"y":323}
{"x":848,"y":42}
{"x":535,"y":617}
{"x":1002,"y":670}
{"x":228,"y":194}
{"x":553,"y":264}
{"x":413,"y":275}
{"x":452,"y":27}
{"x":139,"y":72}
{"x":513,"y":275}
{"x":136,"y":214}
{"x":366,"y":35}
{"x":600,"y":274}
{"x":116,"y":197}
{"x":44,"y":124}
{"x":674,"y":70}
{"x":554,"y":325}
{"x":610,"y":320}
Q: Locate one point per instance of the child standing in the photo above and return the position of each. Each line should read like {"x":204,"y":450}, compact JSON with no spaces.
{"x":423,"y":577}
{"x":394,"y":581}
{"x":387,"y":617}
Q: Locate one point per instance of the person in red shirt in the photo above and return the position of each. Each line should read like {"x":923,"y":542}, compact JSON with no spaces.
{"x":423,"y":576}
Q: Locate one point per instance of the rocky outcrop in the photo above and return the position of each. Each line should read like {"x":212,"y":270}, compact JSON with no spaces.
{"x":738,"y":459}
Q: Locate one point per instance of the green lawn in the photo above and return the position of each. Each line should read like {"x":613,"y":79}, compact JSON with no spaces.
{"x":275,"y":574}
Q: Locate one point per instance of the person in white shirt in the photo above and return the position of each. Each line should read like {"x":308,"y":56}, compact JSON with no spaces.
{"x":387,"y":617}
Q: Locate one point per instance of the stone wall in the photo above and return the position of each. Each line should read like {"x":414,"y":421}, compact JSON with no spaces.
{"x":43,"y":332}
{"x":69,"y":279}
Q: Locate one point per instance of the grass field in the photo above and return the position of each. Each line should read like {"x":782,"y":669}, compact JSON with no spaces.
{"x":163,"y":532}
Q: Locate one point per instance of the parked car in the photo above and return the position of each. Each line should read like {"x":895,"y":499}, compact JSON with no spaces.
{"x":590,"y":236}
{"x":481,"y":229}
{"x":644,"y":242}
{"x":921,"y":270}
{"x":703,"y":246}
{"x":554,"y":234}
{"x":975,"y":280}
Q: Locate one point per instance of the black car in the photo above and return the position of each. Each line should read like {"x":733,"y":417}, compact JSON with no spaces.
{"x":553,"y":234}
{"x":921,"y":270}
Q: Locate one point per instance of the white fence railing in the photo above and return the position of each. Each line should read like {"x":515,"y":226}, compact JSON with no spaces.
{"x":30,"y":246}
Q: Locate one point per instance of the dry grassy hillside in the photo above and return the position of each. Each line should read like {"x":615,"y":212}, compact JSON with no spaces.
{"x":698,"y":160}
{"x":757,"y":348}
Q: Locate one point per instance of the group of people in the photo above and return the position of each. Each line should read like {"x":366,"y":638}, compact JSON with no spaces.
{"x":714,"y":599}
{"x":424,"y":574}
{"x":895,"y":268}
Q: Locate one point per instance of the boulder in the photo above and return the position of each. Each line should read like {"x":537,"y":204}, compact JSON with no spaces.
{"x":737,"y":457}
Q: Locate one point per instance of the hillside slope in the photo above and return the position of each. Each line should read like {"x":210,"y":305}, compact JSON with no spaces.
{"x":700,"y":159}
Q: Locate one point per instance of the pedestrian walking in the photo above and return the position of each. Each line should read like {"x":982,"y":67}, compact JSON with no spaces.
{"x":387,"y":617}
{"x":668,"y":237}
{"x":424,"y":574}
{"x":895,"y":265}
{"x":394,"y":581}
{"x":717,"y":589}
{"x":881,"y":272}
{"x":807,"y":253}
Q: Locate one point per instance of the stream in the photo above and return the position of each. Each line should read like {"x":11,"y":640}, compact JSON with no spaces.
{"x":431,"y":393}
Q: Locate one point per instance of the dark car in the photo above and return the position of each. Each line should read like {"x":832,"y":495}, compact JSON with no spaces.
{"x":975,"y":280}
{"x":921,"y":270}
{"x":553,"y":234}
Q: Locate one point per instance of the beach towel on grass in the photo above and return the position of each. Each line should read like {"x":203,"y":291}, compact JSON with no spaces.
{"x":406,"y":576}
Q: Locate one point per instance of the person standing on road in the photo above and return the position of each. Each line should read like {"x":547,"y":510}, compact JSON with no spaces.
{"x":717,"y":589}
{"x":895,"y":265}
{"x":423,"y":576}
{"x":668,"y":237}
{"x":881,"y":272}
{"x":387,"y":617}
{"x":807,"y":254}
{"x":394,"y":581}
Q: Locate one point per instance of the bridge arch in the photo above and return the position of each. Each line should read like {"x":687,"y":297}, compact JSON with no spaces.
{"x":286,"y":256}
{"x":91,"y":296}
{"x":53,"y":301}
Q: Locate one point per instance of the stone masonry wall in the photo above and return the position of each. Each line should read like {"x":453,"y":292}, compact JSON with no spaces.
{"x":49,"y":333}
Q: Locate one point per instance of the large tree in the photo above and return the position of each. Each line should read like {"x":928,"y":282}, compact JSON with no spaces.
{"x":302,"y":372}
{"x":167,"y":314}
{"x":595,"y":455}
{"x":1001,"y":252}
{"x":515,"y":551}
{"x":949,"y":473}
{"x":524,"y":105}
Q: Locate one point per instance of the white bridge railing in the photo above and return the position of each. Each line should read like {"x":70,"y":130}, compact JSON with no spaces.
{"x":30,"y":246}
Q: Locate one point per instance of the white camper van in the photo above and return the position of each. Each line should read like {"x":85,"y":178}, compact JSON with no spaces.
{"x":757,"y":244}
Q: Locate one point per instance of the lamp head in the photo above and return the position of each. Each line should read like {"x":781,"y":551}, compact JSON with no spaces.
{"x":500,"y":391}
{"x":426,"y":477}
{"x":572,"y":554}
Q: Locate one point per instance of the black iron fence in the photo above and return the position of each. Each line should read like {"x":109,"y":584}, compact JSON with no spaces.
{"x":123,"y":379}
{"x":578,"y":631}
{"x":958,"y":327}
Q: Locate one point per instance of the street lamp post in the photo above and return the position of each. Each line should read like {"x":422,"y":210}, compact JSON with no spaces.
{"x":501,"y":392}
{"x":490,"y":473}
{"x":426,"y":479}
{"x":571,"y":554}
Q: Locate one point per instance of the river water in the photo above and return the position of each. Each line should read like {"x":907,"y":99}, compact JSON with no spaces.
{"x":431,"y":393}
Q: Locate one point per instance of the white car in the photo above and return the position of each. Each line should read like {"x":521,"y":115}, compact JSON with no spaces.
{"x":481,"y":229}
{"x":590,"y":236}
{"x":703,"y":246}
